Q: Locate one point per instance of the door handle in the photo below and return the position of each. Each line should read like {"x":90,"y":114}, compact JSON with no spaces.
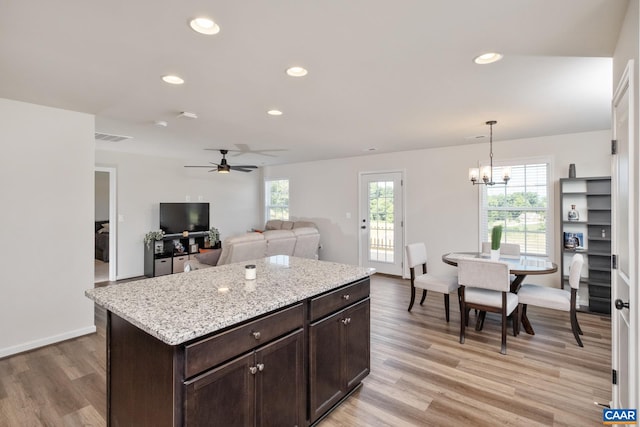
{"x":363,"y":226}
{"x":620,"y":305}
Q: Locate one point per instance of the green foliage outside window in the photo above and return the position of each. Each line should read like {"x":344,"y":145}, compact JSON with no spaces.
{"x":381,"y":201}
{"x":523,"y":217}
{"x":277,"y":199}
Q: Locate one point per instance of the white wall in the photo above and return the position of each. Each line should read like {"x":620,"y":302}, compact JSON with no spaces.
{"x":441,"y":205}
{"x":145,"y":181}
{"x":46,"y":220}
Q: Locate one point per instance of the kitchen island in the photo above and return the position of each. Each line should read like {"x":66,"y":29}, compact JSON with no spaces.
{"x":208,"y":347}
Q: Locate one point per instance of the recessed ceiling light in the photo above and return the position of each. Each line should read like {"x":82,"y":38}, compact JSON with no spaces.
{"x":488,"y":58}
{"x":274,"y":112}
{"x":296,"y":72}
{"x":204,"y":26}
{"x":174,"y":80}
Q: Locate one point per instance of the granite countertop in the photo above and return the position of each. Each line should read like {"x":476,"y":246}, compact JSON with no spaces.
{"x":180,"y":307}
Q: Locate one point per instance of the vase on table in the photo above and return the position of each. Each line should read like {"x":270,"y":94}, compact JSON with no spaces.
{"x":495,"y":254}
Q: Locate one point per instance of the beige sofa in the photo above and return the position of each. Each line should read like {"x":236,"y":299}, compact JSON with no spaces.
{"x":300,"y":239}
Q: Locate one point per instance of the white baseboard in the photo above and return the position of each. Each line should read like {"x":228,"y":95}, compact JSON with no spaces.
{"x":9,"y":351}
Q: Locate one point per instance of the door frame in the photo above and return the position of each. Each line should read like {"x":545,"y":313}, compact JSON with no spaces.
{"x":626,"y":85}
{"x":403,"y":174}
{"x":113,"y":221}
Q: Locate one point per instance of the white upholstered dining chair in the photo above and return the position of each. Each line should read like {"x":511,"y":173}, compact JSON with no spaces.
{"x":554,"y":298}
{"x":420,"y":279}
{"x":508,"y":250}
{"x":485,"y":286}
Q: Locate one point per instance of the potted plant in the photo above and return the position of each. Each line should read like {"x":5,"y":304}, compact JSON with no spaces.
{"x":153,"y":236}
{"x":496,"y":236}
{"x":214,"y":236}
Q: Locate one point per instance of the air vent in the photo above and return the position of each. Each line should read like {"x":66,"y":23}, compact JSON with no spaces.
{"x":110,"y":137}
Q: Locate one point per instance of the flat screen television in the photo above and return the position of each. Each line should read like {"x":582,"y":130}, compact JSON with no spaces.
{"x":178,"y":217}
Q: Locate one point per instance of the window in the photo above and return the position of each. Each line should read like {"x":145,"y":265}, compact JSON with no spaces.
{"x":521,"y":207}
{"x":276,"y":199}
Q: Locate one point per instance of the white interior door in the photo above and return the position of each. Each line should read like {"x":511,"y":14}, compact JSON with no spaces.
{"x":381,"y":222}
{"x":624,"y":322}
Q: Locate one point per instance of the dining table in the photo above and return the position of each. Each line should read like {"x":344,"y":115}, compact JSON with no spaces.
{"x":520,"y":266}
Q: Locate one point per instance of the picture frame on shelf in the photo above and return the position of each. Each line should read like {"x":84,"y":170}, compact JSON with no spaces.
{"x":573,"y":240}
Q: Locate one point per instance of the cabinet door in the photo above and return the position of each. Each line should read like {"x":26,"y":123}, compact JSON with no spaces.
{"x":325,"y":363}
{"x":357,"y":356}
{"x":280,"y":393}
{"x":223,"y":396}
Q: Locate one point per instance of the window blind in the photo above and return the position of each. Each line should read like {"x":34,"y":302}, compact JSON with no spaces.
{"x":521,"y":207}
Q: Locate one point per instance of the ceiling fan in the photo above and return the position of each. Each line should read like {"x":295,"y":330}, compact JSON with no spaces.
{"x":244,"y":149}
{"x":224,"y":167}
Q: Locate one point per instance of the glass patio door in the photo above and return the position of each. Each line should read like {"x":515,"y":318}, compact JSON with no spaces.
{"x":381,"y":222}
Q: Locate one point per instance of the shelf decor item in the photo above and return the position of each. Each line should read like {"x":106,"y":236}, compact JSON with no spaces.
{"x":214,"y":236}
{"x":573,"y":214}
{"x":573,"y":240}
{"x":153,"y":236}
{"x":496,"y":236}
{"x":572,"y":170}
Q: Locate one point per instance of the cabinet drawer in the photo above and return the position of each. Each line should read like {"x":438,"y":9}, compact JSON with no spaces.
{"x":178,"y":263}
{"x":163,"y":266}
{"x":335,"y":300}
{"x":207,"y":353}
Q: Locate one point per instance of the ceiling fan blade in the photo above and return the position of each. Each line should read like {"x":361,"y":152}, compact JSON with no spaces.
{"x":245,"y":149}
{"x":219,"y":149}
{"x":240,"y":169}
{"x":245,"y":166}
{"x":197,"y":166}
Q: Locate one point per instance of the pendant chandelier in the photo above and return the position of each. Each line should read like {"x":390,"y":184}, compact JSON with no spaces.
{"x":486,"y":173}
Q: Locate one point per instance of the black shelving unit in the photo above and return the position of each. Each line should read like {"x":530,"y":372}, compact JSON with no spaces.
{"x":167,"y":260}
{"x":592,"y":197}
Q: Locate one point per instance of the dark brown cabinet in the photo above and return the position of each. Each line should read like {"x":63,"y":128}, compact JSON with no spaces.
{"x":339,"y":354}
{"x":262,"y":388}
{"x":288,"y":367}
{"x":221,"y":397}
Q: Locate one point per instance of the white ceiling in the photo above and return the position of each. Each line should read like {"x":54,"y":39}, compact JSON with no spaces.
{"x":392,"y":75}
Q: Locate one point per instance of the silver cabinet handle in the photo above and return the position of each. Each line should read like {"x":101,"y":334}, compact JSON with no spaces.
{"x":260,"y":367}
{"x":253,"y":370}
{"x":346,"y":320}
{"x":256,"y":335}
{"x":345,"y":297}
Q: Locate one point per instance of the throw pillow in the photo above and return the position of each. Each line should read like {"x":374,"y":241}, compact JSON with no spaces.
{"x":210,"y":257}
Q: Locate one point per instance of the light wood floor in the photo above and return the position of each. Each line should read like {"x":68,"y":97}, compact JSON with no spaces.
{"x":420,"y":374}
